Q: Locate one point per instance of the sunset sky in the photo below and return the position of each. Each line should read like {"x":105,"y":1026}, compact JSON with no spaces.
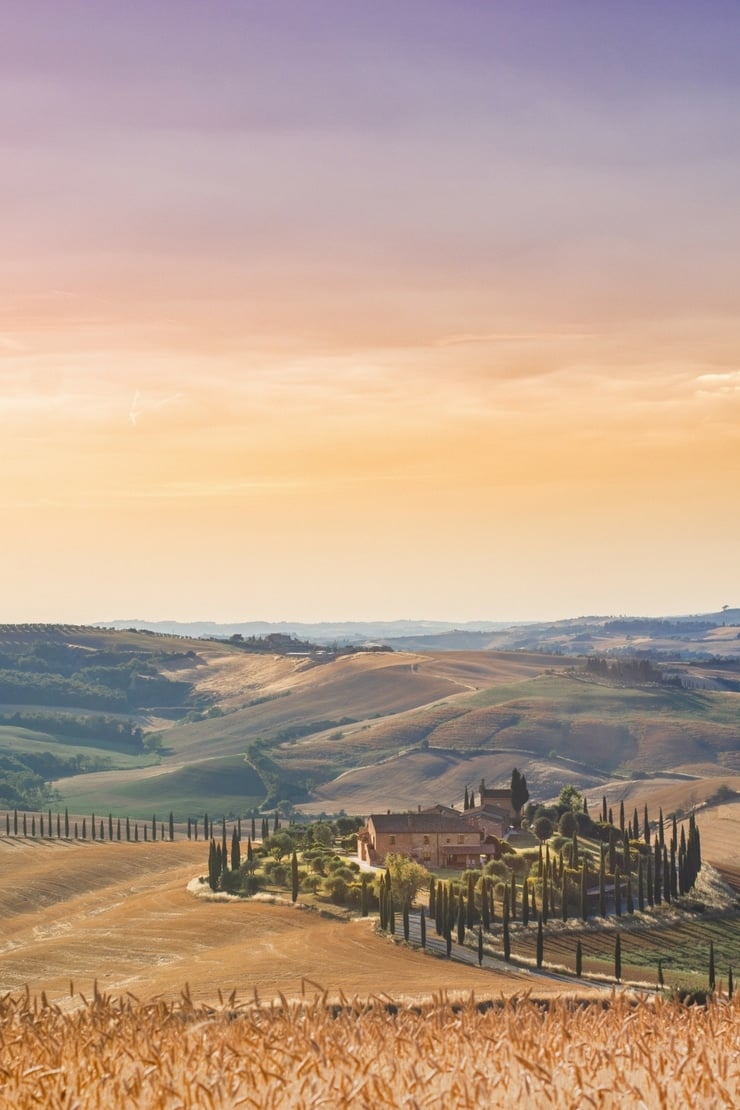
{"x":348,"y":310}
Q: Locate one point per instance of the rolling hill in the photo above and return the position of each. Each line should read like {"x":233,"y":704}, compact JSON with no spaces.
{"x":354,"y":732}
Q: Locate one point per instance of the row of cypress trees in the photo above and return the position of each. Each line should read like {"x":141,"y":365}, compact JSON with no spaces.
{"x":61,"y":826}
{"x":65,"y":828}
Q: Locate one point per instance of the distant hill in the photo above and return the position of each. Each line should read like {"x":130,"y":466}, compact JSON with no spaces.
{"x":117,"y":720}
{"x":689,"y":636}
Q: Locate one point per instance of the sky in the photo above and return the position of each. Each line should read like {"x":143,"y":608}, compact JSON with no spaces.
{"x":340,"y":309}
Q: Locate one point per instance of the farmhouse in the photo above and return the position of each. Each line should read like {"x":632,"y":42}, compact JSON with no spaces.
{"x":441,"y":836}
{"x":436,"y":838}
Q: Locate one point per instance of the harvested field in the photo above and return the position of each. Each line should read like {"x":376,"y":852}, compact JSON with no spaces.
{"x":120,"y":914}
{"x":122,"y":1054}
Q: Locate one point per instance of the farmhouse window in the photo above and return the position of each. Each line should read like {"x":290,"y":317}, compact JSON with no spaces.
{"x":391,"y":840}
{"x":426,"y":839}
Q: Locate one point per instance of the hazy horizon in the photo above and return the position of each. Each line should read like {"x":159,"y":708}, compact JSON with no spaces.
{"x":317,"y":310}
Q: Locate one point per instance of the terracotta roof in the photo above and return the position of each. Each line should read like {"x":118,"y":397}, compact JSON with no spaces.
{"x":419,"y":823}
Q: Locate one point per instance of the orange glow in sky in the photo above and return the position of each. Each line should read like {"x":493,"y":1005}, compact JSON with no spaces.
{"x":316,"y":317}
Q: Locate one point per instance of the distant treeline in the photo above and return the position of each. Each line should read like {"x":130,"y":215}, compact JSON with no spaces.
{"x":637,"y":672}
{"x":52,"y":673}
{"x":646,"y":626}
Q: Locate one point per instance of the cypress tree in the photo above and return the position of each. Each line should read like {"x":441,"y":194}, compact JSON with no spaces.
{"x":574,"y":851}
{"x":512,"y":896}
{"x":564,"y":895}
{"x":618,"y":891}
{"x":154,"y":827}
{"x":33,"y":825}
{"x":293,"y":876}
{"x":15,"y":822}
{"x":635,"y":825}
{"x":630,"y":896}
{"x":406,"y":923}
{"x":618,"y":958}
{"x":646,"y":826}
{"x":239,"y":827}
{"x":525,"y":903}
{"x":466,"y":801}
{"x":545,"y":898}
{"x":485,"y":907}
{"x":584,"y":890}
{"x":579,"y":960}
{"x":172,"y":826}
{"x":480,"y":947}
{"x":621,"y":818}
{"x":118,"y":829}
{"x":110,"y":826}
{"x":649,"y":871}
{"x":661,"y":980}
{"x":640,"y":886}
{"x":603,"y":809}
{"x":666,"y":877}
{"x":223,"y":836}
{"x":461,"y":919}
{"x":92,"y":826}
{"x":422,"y":928}
{"x":611,"y":816}
{"x":505,"y":916}
{"x":59,"y":827}
{"x":136,"y":831}
{"x":236,"y":854}
{"x":540,"y":941}
{"x":711,"y":966}
{"x":364,"y":906}
{"x":448,"y":941}
{"x":602,"y":885}
{"x":195,"y":828}
{"x":7,"y":824}
{"x":128,"y":828}
{"x":658,"y":872}
{"x":84,"y":828}
{"x":146,"y":833}
{"x":383,"y":904}
{"x":432,"y":897}
{"x":254,"y":828}
{"x":102,"y":830}
{"x":674,"y":877}
{"x":206,"y":827}
{"x":730,"y":984}
{"x":190,"y":831}
{"x":391,"y":914}
{"x":76,"y":837}
{"x":661,"y":833}
{"x":470,"y":915}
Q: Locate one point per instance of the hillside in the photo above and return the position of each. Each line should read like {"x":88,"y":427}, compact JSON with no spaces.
{"x":330,"y":732}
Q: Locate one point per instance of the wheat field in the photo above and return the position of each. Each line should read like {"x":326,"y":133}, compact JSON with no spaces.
{"x":128,"y":1053}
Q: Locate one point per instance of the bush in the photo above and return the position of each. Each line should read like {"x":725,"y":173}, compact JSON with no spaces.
{"x":336,"y":888}
{"x":251,"y":883}
{"x":310,"y":883}
{"x":567,"y":823}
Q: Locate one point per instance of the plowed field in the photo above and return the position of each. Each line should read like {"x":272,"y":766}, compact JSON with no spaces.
{"x":121,"y":914}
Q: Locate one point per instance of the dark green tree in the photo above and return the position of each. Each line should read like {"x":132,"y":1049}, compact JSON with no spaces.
{"x":540,"y":941}
{"x":618,"y":958}
{"x":480,"y":947}
{"x":519,"y":791}
{"x":579,"y":960}
{"x":712,"y":982}
{"x":422,"y":928}
{"x":236,"y":854}
{"x":172,"y":826}
{"x":294,"y":878}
